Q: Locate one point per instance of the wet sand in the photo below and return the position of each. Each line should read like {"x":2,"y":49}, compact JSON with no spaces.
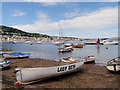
{"x":89,"y":76}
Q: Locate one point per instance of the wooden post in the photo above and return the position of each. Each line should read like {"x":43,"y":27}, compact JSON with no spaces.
{"x":21,"y":75}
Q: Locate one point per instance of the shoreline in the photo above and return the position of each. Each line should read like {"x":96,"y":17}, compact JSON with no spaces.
{"x":89,"y":76}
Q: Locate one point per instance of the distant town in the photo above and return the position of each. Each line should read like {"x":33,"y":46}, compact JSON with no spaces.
{"x":12,"y":34}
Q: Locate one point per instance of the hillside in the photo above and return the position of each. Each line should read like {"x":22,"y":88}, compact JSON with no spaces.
{"x":5,"y":30}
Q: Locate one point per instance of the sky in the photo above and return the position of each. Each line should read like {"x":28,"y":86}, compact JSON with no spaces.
{"x":73,"y":19}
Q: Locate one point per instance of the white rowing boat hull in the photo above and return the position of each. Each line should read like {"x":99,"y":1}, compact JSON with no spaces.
{"x":31,"y":75}
{"x":15,"y":56}
{"x":111,"y":68}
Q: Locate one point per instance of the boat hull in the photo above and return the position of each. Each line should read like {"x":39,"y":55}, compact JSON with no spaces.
{"x":77,"y":46}
{"x":114,"y":64}
{"x":87,"y":62}
{"x":31,"y":75}
{"x":15,"y":56}
{"x":89,"y":59}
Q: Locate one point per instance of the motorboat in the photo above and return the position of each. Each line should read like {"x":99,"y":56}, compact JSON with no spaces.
{"x":65,"y":49}
{"x":77,"y":46}
{"x":110,"y":42}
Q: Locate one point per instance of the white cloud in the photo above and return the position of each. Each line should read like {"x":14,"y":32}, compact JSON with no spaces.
{"x":102,"y":19}
{"x":75,"y":13}
{"x":49,"y":3}
{"x":18,"y":13}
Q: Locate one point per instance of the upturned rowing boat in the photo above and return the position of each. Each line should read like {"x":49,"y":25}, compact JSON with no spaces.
{"x":31,"y":75}
{"x":16,"y":55}
{"x":114,"y":65}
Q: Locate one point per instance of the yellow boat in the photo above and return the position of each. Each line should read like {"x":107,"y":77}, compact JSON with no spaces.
{"x":77,"y":46}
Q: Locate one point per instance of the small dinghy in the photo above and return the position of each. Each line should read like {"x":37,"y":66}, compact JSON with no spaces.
{"x":39,"y":42}
{"x":16,"y":55}
{"x":114,"y":65}
{"x":62,"y":50}
{"x":66,"y":59}
{"x":78,"y":46}
{"x":4,"y":64}
{"x":89,"y":59}
{"x":65,"y":49}
{"x":31,"y":75}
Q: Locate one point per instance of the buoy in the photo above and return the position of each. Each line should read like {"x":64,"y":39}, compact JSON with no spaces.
{"x":106,"y":47}
{"x":16,"y":84}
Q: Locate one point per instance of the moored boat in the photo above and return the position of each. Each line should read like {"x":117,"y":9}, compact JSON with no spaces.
{"x":65,"y":50}
{"x":89,"y":59}
{"x":77,"y":46}
{"x":66,"y":59}
{"x":28,"y":42}
{"x":67,"y":45}
{"x":31,"y":75}
{"x":11,"y":42}
{"x":110,"y":42}
{"x":4,"y":64}
{"x":39,"y":42}
{"x":16,"y":55}
{"x":114,"y":65}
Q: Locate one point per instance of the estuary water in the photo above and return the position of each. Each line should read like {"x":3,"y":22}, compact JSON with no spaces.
{"x":47,"y":50}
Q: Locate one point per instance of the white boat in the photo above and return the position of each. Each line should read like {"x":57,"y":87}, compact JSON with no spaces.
{"x":67,"y":44}
{"x":58,"y":43}
{"x":31,"y":75}
{"x":39,"y":42}
{"x":114,"y":64}
{"x":65,"y":50}
{"x":110,"y":42}
{"x":28,"y":42}
{"x":4,"y":64}
{"x":66,"y":59}
{"x":89,"y":59}
{"x":16,"y":55}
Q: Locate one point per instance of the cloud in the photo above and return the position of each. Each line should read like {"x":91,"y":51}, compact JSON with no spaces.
{"x":49,"y":3}
{"x":75,"y":13}
{"x":102,"y":19}
{"x":18,"y":13}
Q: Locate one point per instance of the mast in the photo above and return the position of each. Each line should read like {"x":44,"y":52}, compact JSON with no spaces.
{"x":60,"y":31}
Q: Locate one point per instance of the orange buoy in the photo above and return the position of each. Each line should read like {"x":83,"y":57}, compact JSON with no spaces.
{"x":16,"y":83}
{"x":106,"y":47}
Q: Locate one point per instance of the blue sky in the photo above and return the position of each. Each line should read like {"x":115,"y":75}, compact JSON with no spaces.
{"x":76,"y":19}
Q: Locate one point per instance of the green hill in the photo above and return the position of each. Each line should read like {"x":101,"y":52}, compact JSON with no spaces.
{"x":5,"y":30}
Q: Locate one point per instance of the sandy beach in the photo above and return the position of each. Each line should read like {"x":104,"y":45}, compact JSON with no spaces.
{"x":89,"y":76}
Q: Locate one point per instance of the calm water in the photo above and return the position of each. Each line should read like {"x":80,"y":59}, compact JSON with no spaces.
{"x":47,"y":50}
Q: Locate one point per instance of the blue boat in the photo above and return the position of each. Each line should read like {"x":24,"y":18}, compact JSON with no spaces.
{"x":16,"y":55}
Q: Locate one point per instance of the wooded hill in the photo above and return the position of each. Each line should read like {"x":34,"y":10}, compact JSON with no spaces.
{"x":10,"y":31}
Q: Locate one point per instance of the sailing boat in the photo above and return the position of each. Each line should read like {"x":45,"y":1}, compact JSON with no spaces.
{"x":59,"y":42}
{"x":98,"y":42}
